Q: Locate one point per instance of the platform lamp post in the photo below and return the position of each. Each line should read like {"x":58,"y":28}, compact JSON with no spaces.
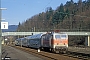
{"x":1,"y":30}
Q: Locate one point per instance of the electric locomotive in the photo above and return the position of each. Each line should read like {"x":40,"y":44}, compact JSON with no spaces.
{"x":55,"y":42}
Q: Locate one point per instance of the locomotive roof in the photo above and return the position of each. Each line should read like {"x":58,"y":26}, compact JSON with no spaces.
{"x":57,"y":33}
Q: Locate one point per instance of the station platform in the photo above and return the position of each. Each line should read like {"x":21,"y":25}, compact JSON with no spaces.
{"x":14,"y":54}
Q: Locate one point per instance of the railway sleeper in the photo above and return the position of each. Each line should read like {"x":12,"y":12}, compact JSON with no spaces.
{"x":78,"y":55}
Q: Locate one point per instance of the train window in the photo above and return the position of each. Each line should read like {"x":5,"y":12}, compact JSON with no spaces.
{"x":63,"y":36}
{"x":57,"y":36}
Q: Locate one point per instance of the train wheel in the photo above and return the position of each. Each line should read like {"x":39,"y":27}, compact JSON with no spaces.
{"x":52,"y":50}
{"x":46,"y":49}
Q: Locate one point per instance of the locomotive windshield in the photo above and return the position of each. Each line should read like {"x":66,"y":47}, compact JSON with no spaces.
{"x":57,"y":36}
{"x":63,"y":36}
{"x":60,"y":36}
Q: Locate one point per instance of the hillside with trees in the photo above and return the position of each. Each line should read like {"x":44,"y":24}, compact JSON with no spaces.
{"x":66,"y":17}
{"x":69,"y":17}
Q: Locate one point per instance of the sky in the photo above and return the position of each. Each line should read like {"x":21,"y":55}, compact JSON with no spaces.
{"x":21,"y":10}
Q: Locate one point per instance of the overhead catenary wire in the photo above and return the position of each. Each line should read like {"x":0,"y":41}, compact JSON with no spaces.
{"x":46,"y":5}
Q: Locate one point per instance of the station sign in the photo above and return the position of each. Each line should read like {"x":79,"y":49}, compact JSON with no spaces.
{"x":4,"y":25}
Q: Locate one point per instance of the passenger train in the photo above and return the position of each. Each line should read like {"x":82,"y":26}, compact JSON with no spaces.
{"x":55,"y":42}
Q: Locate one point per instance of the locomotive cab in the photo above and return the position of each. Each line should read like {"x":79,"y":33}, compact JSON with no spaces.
{"x":60,"y":42}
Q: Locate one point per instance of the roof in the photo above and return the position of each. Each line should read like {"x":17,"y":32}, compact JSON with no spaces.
{"x":35,"y":36}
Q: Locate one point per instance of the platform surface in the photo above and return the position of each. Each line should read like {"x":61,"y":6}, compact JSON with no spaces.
{"x":15,"y":54}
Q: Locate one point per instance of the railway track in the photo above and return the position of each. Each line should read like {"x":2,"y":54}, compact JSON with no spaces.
{"x":52,"y":56}
{"x":79,"y":52}
{"x":80,"y":56}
